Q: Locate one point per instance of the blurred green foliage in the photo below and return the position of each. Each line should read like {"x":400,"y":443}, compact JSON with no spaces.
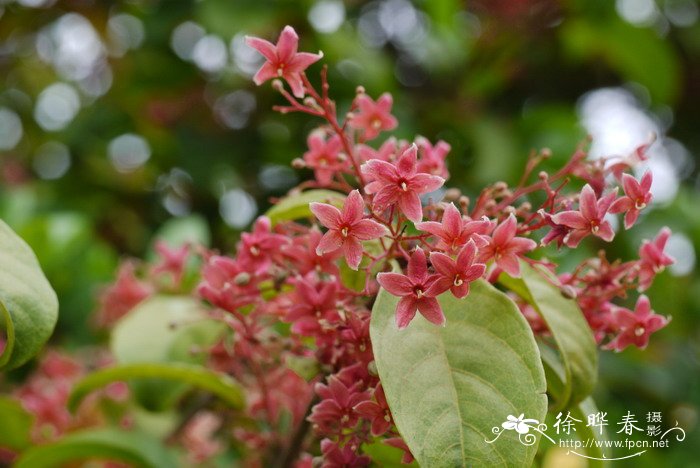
{"x":494,"y":78}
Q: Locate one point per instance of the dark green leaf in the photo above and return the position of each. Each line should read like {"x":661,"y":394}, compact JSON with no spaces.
{"x":219,"y":384}
{"x":107,"y":444}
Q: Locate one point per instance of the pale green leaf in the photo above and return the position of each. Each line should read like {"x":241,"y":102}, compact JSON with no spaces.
{"x":163,"y":329}
{"x":570,"y":331}
{"x":297,"y":206}
{"x":448,"y":387}
{"x":16,"y":424}
{"x":28,"y":304}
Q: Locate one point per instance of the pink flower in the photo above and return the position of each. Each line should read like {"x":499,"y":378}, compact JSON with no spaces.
{"x":432,"y":158}
{"x":226,"y":284}
{"x":400,"y":183}
{"x":257,"y":249}
{"x":119,"y":298}
{"x":313,"y":306}
{"x":373,"y":117}
{"x":324,"y":157}
{"x":589,"y":219}
{"x":456,"y":275}
{"x":172,"y":260}
{"x":505,"y":248}
{"x":414,"y":291}
{"x":454,"y":231}
{"x":336,"y":407}
{"x":377,"y":412}
{"x":637,"y":197}
{"x":302,"y":253}
{"x":335,"y":456}
{"x":399,"y":443}
{"x":283,"y":60}
{"x":653,"y":260}
{"x":636,"y":327}
{"x":346,"y":229}
{"x":386,"y":152}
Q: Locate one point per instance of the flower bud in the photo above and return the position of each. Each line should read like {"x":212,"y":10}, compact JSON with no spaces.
{"x":242,"y":278}
{"x":453,"y":194}
{"x":360,"y":90}
{"x":277,"y":85}
{"x":372,"y":368}
{"x":568,"y":291}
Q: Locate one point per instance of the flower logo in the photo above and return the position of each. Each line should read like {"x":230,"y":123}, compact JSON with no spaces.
{"x":519,"y":424}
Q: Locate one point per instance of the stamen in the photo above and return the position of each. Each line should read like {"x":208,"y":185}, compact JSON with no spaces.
{"x":639,"y":331}
{"x":458,"y":281}
{"x":640,"y":205}
{"x":344,"y":232}
{"x":255,"y":251}
{"x":404,"y":187}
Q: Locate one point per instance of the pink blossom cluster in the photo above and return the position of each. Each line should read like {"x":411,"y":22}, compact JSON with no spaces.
{"x":297,"y":295}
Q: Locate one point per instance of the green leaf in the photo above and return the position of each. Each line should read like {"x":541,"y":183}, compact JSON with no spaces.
{"x":16,"y":424}
{"x":219,"y":384}
{"x":297,"y":206}
{"x":586,"y":432}
{"x":449,"y":386}
{"x":188,"y":229}
{"x":163,"y":329}
{"x":570,"y":332}
{"x":107,"y":444}
{"x":386,"y":456}
{"x":554,"y":371}
{"x":28,"y":304}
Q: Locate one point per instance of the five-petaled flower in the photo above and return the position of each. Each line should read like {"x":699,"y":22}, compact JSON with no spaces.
{"x":454,"y":231}
{"x":400,"y":182}
{"x":456,"y":275}
{"x":505,"y":248}
{"x":373,"y":116}
{"x":519,"y":424}
{"x":414,"y":291}
{"x":635,"y":327}
{"x":653,"y":260}
{"x":637,"y":197}
{"x":346,"y":229}
{"x":324,"y":157}
{"x":377,"y":412}
{"x":589,"y":219}
{"x":283,"y":60}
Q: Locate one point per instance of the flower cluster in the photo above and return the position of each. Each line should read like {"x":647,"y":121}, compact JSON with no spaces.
{"x":296,"y":297}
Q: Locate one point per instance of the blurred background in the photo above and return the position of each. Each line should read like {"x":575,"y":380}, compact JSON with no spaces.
{"x":123,"y":119}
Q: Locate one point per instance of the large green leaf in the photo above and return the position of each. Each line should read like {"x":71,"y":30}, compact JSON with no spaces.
{"x":570,"y":332}
{"x":219,"y":384}
{"x":448,"y":387}
{"x":16,"y":424}
{"x":28,"y":304}
{"x":163,"y":329}
{"x":106,"y":444}
{"x":297,"y":206}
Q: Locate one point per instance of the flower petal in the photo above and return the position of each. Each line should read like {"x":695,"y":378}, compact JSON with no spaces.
{"x":430,"y":308}
{"x":266,"y":48}
{"x":410,"y":205}
{"x":352,"y":249}
{"x":405,"y":311}
{"x":397,"y":284}
{"x":287,"y":44}
{"x":353,"y":208}
{"x":367,"y":229}
{"x":329,"y":215}
{"x":330,"y":242}
{"x":418,"y":266}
